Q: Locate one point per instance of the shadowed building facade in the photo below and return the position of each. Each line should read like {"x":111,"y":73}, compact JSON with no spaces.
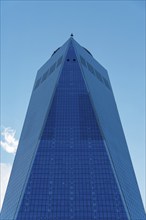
{"x":72,"y":162}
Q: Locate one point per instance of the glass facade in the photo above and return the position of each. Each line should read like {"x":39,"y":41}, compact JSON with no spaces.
{"x":71,"y":177}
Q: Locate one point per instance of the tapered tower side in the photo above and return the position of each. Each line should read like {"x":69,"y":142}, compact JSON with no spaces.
{"x":43,"y":90}
{"x":102,"y":98}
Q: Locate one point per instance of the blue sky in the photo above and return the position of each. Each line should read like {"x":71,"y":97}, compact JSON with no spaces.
{"x":113,"y":31}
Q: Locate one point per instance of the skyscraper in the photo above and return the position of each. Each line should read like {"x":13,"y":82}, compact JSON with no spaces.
{"x":72,"y":161}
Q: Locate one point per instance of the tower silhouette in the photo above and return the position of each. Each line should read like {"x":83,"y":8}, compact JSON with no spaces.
{"x":72,"y":162}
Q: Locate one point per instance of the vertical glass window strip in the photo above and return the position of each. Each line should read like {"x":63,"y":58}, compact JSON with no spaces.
{"x":44,"y":76}
{"x":71,"y":177}
{"x":59,"y":61}
{"x":98,"y":75}
{"x":106,"y":83}
{"x":37,"y":83}
{"x":90,"y":68}
{"x":83,"y":61}
{"x":52,"y":68}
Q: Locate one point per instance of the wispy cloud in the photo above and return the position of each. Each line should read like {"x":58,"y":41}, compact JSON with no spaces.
{"x":5,"y":170}
{"x":9,"y":142}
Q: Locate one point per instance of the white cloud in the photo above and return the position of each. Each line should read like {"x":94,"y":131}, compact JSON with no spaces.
{"x":4,"y":174}
{"x":9,"y":143}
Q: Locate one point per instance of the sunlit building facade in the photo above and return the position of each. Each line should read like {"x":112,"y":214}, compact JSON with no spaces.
{"x":72,"y":162}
